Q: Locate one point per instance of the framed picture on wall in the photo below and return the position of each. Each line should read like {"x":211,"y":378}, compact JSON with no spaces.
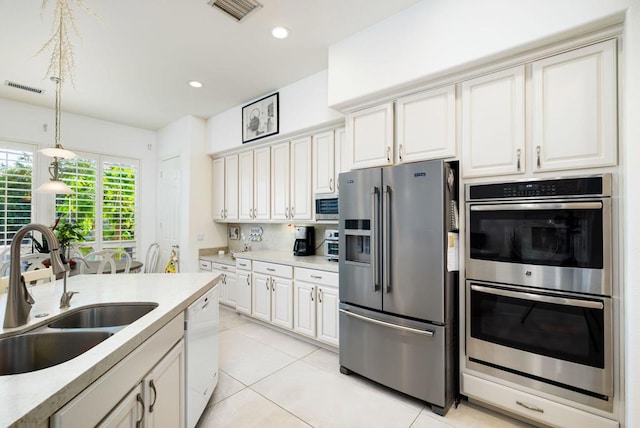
{"x":261,"y":118}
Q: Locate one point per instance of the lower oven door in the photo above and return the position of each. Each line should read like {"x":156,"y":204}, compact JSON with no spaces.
{"x":560,"y":339}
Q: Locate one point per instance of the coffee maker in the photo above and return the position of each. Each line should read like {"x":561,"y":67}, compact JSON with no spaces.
{"x":305,"y":244}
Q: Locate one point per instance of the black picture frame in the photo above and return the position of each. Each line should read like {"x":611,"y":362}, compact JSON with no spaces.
{"x":261,"y":118}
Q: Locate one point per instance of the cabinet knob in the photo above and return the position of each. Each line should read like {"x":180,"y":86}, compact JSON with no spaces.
{"x":538,"y":149}
{"x":319,"y":295}
{"x":286,"y":212}
{"x":331,"y":184}
{"x":313,"y":289}
{"x":155,"y":395}
{"x":293,"y":212}
{"x":518,"y":161}
{"x":388,"y":153}
{"x":141,"y":401}
{"x":400,"y":152}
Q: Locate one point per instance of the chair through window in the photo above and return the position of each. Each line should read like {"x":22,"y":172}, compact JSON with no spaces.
{"x":117,"y":261}
{"x":151,"y":259}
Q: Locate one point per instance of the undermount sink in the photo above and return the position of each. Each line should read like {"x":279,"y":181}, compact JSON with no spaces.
{"x":35,"y":351}
{"x":110,"y":315}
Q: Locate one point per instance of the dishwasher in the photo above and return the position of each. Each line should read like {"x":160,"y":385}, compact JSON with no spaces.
{"x":201,"y":354}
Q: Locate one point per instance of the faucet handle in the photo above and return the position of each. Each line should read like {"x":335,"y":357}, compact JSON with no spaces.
{"x":66,"y":298}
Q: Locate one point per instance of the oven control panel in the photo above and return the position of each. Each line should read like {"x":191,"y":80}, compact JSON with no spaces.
{"x":564,"y":187}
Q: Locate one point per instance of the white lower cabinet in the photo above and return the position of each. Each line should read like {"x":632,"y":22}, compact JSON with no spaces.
{"x":273,"y":293}
{"x":243,"y":286}
{"x":146,"y":388}
{"x":536,"y":408}
{"x":228,"y":283}
{"x":316,"y":304}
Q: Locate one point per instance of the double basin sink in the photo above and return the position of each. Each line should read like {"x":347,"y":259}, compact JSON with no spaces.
{"x":67,"y":336}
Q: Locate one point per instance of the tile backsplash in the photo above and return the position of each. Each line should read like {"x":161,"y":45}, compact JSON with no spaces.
{"x":275,"y":237}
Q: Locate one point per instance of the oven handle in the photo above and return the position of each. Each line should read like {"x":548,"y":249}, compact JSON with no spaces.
{"x":388,"y":324}
{"x":539,"y":297}
{"x":541,"y":206}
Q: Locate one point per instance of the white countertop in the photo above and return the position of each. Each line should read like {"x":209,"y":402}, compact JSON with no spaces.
{"x":283,"y":257}
{"x":29,"y":398}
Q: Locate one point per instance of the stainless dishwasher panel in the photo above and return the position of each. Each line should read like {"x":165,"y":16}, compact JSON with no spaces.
{"x":201,"y":351}
{"x":406,"y":355}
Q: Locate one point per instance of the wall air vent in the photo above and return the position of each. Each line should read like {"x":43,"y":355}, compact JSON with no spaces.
{"x":23,"y":87}
{"x":239,"y":9}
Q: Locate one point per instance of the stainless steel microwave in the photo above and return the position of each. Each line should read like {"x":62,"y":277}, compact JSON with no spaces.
{"x":326,"y":206}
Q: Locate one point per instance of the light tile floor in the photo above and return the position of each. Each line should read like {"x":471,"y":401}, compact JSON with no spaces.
{"x":269,"y":379}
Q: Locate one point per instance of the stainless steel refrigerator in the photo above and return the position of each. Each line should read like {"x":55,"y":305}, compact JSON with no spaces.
{"x":398,"y":301}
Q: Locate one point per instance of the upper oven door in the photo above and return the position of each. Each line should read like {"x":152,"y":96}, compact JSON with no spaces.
{"x":554,"y":245}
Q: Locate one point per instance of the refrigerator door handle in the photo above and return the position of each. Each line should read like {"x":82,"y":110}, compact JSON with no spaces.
{"x":374,"y":242}
{"x":386,"y":240}
{"x":388,"y":324}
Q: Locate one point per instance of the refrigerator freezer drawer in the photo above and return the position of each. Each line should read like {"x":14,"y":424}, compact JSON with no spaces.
{"x":405,"y":355}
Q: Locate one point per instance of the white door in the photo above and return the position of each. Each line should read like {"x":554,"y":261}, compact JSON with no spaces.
{"x":280,"y":182}
{"x":231,"y":285}
{"x":261,"y":296}
{"x":282,"y":302}
{"x":244,"y":292}
{"x":493,"y":130}
{"x":222,"y":286}
{"x":426,"y":125}
{"x":245,"y":186}
{"x":218,"y":189}
{"x":304,"y":309}
{"x":323,"y":163}
{"x":327,"y":309}
{"x":231,"y":187}
{"x":262,"y":184}
{"x":370,"y":136}
{"x":575,"y":109}
{"x":164,"y":391}
{"x":169,"y":207}
{"x":300,"y":167}
{"x":127,"y":414}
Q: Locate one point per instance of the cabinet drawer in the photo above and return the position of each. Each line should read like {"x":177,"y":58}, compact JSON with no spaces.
{"x":530,"y":406}
{"x":283,"y":271}
{"x":243,"y":264}
{"x":205,"y":265}
{"x":223,"y":267}
{"x":317,"y":276}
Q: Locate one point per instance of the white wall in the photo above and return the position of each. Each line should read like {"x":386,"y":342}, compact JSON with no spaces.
{"x":303,"y":104}
{"x":186,"y":138}
{"x":437,"y":37}
{"x":24,"y":123}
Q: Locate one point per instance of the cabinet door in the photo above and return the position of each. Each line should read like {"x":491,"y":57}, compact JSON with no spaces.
{"x":245,"y":186}
{"x":575,"y":109}
{"x":370,"y":136}
{"x":341,"y":164}
{"x":261,"y":296}
{"x":323,"y":163}
{"x":262,"y":184}
{"x":304,"y":309}
{"x":493,"y":124}
{"x":222,"y":286}
{"x":231,"y":285}
{"x":128,"y":413}
{"x":282,"y":302}
{"x":426,"y":125}
{"x":280,"y":182}
{"x":244,"y":292}
{"x":164,"y":391}
{"x":328,"y":315}
{"x":218,"y":189}
{"x":300,"y":202}
{"x":231,"y":188}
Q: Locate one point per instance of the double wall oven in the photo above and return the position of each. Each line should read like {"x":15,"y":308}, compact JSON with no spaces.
{"x":539,"y":285}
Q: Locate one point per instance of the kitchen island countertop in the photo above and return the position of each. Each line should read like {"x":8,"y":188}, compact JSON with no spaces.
{"x":30,"y":398}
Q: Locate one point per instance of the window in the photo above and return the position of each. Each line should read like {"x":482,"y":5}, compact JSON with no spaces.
{"x":16,"y":176}
{"x":104,"y":188}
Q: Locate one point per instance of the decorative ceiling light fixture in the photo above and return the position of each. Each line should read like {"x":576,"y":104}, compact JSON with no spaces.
{"x":61,"y":66}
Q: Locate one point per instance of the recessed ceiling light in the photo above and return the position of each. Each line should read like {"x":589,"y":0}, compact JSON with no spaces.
{"x":280,"y":32}
{"x":195,"y":84}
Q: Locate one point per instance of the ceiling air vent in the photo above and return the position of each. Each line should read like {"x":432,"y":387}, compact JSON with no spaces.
{"x":239,"y":9}
{"x":23,"y":87}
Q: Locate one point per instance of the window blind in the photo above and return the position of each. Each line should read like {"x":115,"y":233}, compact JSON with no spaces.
{"x":16,"y":176}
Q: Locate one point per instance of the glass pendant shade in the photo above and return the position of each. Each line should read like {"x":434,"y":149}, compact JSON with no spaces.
{"x":54,"y":186}
{"x":58,"y":152}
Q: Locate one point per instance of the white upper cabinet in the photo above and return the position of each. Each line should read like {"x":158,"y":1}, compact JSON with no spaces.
{"x":262,"y":183}
{"x":218,"y":189}
{"x":426,"y":125}
{"x":493,"y":123}
{"x":574,"y":117}
{"x":280,"y":182}
{"x":300,"y":203}
{"x":245,"y":188}
{"x":370,"y":136}
{"x":231,"y":187}
{"x":324,"y":163}
{"x":342,"y":163}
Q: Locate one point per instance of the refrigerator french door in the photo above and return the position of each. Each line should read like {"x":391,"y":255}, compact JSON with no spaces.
{"x":397,"y":297}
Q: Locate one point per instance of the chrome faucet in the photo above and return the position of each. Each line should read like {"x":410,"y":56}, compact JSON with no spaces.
{"x":19,"y":300}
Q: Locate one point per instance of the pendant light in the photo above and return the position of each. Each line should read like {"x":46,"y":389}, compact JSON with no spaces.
{"x":55,"y":185}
